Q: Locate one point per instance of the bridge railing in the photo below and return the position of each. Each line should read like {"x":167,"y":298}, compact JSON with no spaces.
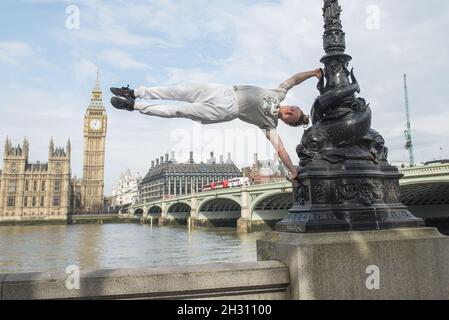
{"x":429,"y":170}
{"x":283,"y":185}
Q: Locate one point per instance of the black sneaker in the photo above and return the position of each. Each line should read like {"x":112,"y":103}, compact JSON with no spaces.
{"x":124,"y":92}
{"x":123,"y":103}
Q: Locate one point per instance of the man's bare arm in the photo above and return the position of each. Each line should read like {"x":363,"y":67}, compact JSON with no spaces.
{"x":300,"y":78}
{"x":278,"y":145}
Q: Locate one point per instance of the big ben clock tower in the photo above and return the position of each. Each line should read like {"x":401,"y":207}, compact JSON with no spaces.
{"x":95,"y":127}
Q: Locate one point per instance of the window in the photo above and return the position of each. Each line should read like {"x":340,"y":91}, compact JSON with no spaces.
{"x":42,"y":201}
{"x":34,"y":185}
{"x":27,"y":185}
{"x":57,"y":187}
{"x":34,"y":202}
{"x":56,"y":201}
{"x":43,"y":186}
{"x":12,"y":185}
{"x":25,"y":202}
{"x":11,"y":201}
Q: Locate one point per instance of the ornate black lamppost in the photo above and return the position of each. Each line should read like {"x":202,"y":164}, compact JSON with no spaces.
{"x":345,"y":181}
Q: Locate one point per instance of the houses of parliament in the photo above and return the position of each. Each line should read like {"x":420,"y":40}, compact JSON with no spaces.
{"x":47,"y":191}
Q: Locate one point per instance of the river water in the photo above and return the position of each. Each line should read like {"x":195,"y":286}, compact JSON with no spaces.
{"x":117,"y":246}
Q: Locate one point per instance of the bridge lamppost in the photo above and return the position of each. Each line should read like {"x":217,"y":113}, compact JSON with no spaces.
{"x":345,"y":181}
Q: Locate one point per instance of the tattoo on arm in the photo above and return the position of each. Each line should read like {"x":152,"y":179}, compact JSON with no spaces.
{"x":288,"y":84}
{"x":297,"y":80}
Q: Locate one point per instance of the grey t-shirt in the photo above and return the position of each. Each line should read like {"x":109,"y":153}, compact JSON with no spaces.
{"x":260,"y":106}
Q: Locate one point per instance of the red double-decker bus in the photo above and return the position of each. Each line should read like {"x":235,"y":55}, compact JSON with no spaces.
{"x":225,"y":184}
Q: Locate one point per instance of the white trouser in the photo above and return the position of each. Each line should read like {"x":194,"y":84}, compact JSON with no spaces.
{"x":203,"y":103}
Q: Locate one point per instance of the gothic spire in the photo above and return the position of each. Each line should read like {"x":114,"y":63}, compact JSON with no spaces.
{"x":7,"y":146}
{"x":26,"y":146}
{"x":51,"y":148}
{"x":69,"y":147}
{"x":97,"y":95}
{"x":97,"y":84}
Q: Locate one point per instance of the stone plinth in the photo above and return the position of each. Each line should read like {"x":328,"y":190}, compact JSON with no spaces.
{"x":407,"y":263}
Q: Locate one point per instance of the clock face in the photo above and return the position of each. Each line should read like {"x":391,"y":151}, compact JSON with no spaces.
{"x":95,"y":124}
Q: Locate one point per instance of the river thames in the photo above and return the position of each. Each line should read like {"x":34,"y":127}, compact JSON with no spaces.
{"x":117,"y":246}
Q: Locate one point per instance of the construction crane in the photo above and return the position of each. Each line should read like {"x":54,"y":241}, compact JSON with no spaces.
{"x":408,"y":131}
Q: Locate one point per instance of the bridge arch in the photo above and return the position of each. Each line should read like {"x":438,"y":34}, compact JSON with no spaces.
{"x":138,"y":212}
{"x":430,"y":193}
{"x":427,"y":200}
{"x":271,"y":208}
{"x":155,"y":211}
{"x":425,"y":191}
{"x":179,"y":212}
{"x":179,"y":207}
{"x":220,"y":212}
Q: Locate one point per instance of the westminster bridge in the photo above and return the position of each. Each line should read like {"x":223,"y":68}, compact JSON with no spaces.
{"x":424,"y":189}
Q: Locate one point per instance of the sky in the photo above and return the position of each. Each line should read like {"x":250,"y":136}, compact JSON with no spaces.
{"x":50,"y":51}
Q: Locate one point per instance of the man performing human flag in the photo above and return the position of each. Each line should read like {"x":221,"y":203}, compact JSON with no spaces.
{"x":210,"y":104}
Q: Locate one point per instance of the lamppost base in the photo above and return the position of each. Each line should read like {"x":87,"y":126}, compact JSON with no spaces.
{"x":354,"y":195}
{"x":303,"y":220}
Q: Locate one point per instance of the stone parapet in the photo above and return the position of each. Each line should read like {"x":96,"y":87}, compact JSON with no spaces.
{"x":257,"y":280}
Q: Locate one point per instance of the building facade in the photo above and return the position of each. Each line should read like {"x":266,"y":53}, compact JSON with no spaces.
{"x":167,"y":178}
{"x":126,"y":191}
{"x":76,"y":187}
{"x":32,"y":191}
{"x":95,"y":128}
{"x":266,"y":171}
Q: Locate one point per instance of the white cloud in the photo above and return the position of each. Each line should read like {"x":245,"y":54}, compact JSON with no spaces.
{"x":121,"y":60}
{"x":111,"y":23}
{"x":14,"y":52}
{"x":433,"y":124}
{"x":84,"y":70}
{"x":117,"y":36}
{"x":180,"y":21}
{"x":151,"y":80}
{"x":179,"y":76}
